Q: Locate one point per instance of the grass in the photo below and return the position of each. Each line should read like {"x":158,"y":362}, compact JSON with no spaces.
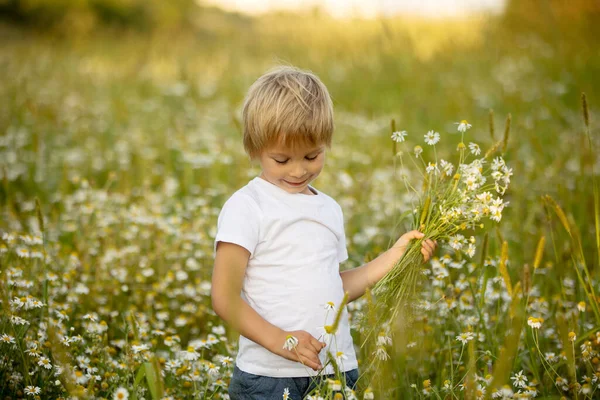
{"x":119,"y":149}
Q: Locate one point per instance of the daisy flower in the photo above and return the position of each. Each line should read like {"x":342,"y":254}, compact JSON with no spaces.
{"x":340,"y":357}
{"x":290,"y":343}
{"x":286,"y":394}
{"x":399,"y":136}
{"x":465,"y":337}
{"x":418,"y":150}
{"x":431,"y":138}
{"x":121,"y":394}
{"x":381,"y":354}
{"x":6,"y":338}
{"x":463,"y":125}
{"x":32,"y":390}
{"x":535,"y":323}
{"x":475,"y":149}
{"x":519,"y":380}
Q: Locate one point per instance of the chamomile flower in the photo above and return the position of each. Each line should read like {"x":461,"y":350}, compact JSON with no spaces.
{"x":383,"y":339}
{"x":121,"y":394}
{"x":399,"y":136}
{"x":463,"y":125}
{"x":475,"y":149}
{"x":432,"y":168}
{"x":6,"y":339}
{"x":465,"y":337}
{"x":519,"y":380}
{"x":330,"y":306}
{"x":44,"y":362}
{"x":535,"y":323}
{"x":290,"y":343}
{"x":381,"y":354}
{"x":190,"y":354}
{"x":418,"y":150}
{"x":340,"y":357}
{"x":431,"y":138}
{"x":286,"y":394}
{"x":32,"y":390}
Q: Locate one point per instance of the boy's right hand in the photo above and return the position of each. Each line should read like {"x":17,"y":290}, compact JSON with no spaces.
{"x":306,"y":352}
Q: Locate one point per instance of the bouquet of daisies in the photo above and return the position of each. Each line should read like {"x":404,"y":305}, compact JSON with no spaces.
{"x":454,"y":199}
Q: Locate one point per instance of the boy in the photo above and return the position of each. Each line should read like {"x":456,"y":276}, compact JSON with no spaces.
{"x":279,"y":244}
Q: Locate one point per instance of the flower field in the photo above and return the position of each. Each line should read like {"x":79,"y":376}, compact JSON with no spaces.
{"x":118,"y":148}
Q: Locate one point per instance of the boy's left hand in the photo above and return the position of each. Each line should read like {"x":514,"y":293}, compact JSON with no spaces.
{"x":428,"y":246}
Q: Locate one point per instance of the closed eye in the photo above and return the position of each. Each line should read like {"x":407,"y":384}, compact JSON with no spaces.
{"x":312,"y":158}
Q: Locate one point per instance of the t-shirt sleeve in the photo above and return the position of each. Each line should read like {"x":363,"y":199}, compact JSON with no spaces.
{"x":342,"y":252}
{"x":239,"y":223}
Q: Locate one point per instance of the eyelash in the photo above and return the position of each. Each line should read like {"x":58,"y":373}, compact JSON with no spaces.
{"x":308,"y":158}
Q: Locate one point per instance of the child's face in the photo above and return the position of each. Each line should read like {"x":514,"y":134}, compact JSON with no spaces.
{"x":290,"y":170}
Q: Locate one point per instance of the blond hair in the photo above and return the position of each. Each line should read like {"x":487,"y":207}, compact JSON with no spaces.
{"x":287,"y":106}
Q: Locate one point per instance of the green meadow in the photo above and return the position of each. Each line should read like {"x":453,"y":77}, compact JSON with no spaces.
{"x":119,"y":145}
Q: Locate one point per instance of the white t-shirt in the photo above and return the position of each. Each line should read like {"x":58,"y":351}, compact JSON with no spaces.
{"x":296,"y":243}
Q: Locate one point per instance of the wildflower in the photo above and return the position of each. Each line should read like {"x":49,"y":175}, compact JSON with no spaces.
{"x":190,"y":354}
{"x":460,"y":147}
{"x":330,"y":306}
{"x":535,"y":323}
{"x":586,"y":389}
{"x":381,"y":354}
{"x":290,"y":343}
{"x":447,"y":385}
{"x":121,"y":394}
{"x":431,"y":138}
{"x":432,"y":167}
{"x":475,"y":149}
{"x":44,"y":362}
{"x":399,"y":136}
{"x":368,"y":395}
{"x":23,"y":252}
{"x":139,"y":348}
{"x":286,"y":394}
{"x":470,"y":250}
{"x":519,"y":380}
{"x":463,"y":125}
{"x":335,"y":385}
{"x":340,"y":357}
{"x":418,"y":150}
{"x":581,"y":306}
{"x":465,"y":337}
{"x":456,"y":241}
{"x":6,"y":338}
{"x":383,"y":339}
{"x":572,"y":336}
{"x":447,"y":167}
{"x":32,"y":390}
{"x":212,"y":369}
{"x":218,"y":330}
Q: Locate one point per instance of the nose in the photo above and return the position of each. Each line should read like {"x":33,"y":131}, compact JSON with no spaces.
{"x":298,"y":171}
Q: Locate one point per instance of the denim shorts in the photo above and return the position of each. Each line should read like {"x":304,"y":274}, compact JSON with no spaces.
{"x":246,"y":386}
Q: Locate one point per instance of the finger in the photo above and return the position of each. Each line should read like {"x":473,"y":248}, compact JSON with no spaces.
{"x":318,"y":346}
{"x":427,"y":245}
{"x":431,"y":245}
{"x":309,"y":358}
{"x":425,"y":254}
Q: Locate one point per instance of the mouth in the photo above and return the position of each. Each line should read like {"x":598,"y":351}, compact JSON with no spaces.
{"x":296,"y":184}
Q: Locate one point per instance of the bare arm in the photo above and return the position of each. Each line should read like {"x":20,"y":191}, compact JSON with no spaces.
{"x":228,"y":275}
{"x":357,"y":280}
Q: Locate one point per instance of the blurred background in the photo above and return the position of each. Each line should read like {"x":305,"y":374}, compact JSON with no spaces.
{"x":151,"y":89}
